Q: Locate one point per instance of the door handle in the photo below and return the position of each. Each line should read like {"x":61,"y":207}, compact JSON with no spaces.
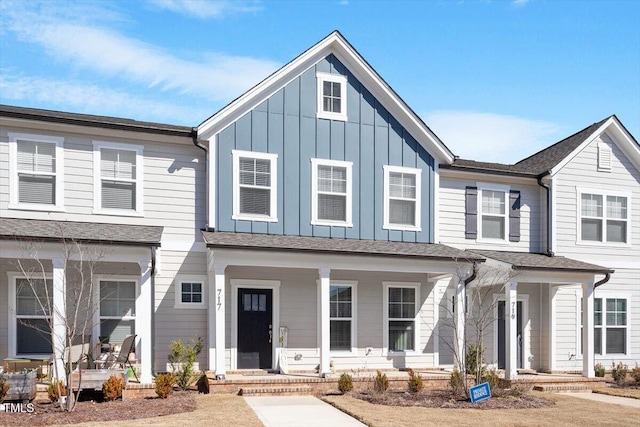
{"x":270,"y":333}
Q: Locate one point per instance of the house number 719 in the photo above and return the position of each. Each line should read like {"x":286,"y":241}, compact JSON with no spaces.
{"x":513,"y":310}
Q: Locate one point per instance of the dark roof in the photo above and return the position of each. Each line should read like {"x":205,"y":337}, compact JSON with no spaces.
{"x":328,"y":245}
{"x":91,"y":120}
{"x":487,"y":167}
{"x":85,"y":232}
{"x":533,"y":261}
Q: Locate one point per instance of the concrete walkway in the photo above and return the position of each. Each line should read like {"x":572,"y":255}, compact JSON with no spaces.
{"x":299,"y":411}
{"x":605,"y":398}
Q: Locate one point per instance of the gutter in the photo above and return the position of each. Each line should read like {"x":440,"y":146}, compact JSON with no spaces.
{"x":607,"y":277}
{"x":549,"y":252}
{"x":194,"y":138}
{"x":472,"y":276}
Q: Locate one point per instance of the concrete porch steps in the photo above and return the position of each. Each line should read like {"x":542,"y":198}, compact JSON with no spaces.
{"x":564,"y":387}
{"x":302,"y":390}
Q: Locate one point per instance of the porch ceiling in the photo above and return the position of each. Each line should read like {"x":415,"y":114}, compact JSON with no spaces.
{"x":535,"y":261}
{"x":337,"y":246}
{"x":85,"y":232}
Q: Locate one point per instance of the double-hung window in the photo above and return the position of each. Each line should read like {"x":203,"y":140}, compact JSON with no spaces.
{"x":342,"y":307}
{"x":118,"y":178}
{"x":332,"y":96}
{"x":493,"y":213}
{"x":331,"y":192}
{"x":117,"y":309}
{"x":402,"y":198}
{"x":610,"y":325}
{"x":401,"y":309}
{"x":33,"y":304}
{"x":255,"y":186}
{"x":603,"y":217}
{"x":36,"y":172}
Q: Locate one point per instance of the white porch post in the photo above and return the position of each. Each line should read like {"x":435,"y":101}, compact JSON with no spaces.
{"x":511,"y":330}
{"x":459,"y":319}
{"x":216,"y":323}
{"x":552,"y":328}
{"x":143,"y":323}
{"x":59,"y":313}
{"x":587,"y":330}
{"x":325,"y":324}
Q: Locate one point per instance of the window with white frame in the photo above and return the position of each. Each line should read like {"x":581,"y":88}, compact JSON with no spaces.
{"x":610,"y":325}
{"x":37,"y":171}
{"x":603,"y":217}
{"x":332,"y":96}
{"x":402,"y":198}
{"x":493,"y":215}
{"x":118,"y":178}
{"x":401,"y":309}
{"x":33,"y":303}
{"x":331,"y":192}
{"x":190,"y":292}
{"x":117,"y":309}
{"x":255,"y":186}
{"x":341,"y":317}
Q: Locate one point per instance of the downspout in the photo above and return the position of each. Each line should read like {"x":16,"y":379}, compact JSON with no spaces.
{"x":473,"y":275}
{"x":607,"y":277}
{"x":549,"y":252}
{"x":153,"y":310}
{"x":194,"y":138}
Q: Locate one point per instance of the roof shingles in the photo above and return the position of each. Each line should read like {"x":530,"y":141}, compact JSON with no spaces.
{"x":533,"y":261}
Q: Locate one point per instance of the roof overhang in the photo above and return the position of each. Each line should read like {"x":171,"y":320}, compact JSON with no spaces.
{"x":335,"y":44}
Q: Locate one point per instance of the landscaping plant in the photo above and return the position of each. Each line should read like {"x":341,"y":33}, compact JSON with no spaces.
{"x":415,"y":382}
{"x":599,"y":368}
{"x":619,"y":372}
{"x":381,"y":382}
{"x":4,"y":389}
{"x":635,"y":374}
{"x":456,"y":383}
{"x":345,"y":383}
{"x":55,"y":390}
{"x":112,"y":388}
{"x":182,"y":359}
{"x":164,"y":384}
{"x":491,"y":377}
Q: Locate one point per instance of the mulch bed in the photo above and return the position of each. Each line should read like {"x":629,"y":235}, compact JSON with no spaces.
{"x":445,"y":399}
{"x":47,"y":413}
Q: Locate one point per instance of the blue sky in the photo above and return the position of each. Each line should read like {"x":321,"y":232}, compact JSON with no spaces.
{"x":496,"y":80}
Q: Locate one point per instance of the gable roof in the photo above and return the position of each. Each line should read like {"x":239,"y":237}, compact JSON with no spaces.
{"x":534,"y":261}
{"x":335,"y":44}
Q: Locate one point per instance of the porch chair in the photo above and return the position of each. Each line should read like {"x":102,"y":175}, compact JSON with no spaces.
{"x":122,"y":358}
{"x":77,"y":353}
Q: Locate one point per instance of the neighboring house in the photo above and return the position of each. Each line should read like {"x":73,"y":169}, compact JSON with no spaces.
{"x":306,"y":224}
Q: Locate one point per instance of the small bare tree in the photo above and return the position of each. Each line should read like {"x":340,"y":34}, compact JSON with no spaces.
{"x":81,"y":263}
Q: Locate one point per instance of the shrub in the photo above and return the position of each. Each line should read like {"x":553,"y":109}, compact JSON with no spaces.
{"x":182,"y":358}
{"x":599,"y":368}
{"x":203,"y":384}
{"x":415,"y":382}
{"x":164,"y":385}
{"x":4,"y":389}
{"x":474,"y":361}
{"x":55,"y":390}
{"x":619,"y":372}
{"x":491,"y":376}
{"x":381,"y":382}
{"x":635,"y":374}
{"x":456,"y":383}
{"x":345,"y":383}
{"x":112,"y":388}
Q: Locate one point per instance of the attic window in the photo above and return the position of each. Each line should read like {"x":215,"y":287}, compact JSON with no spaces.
{"x":604,"y":158}
{"x":332,"y":96}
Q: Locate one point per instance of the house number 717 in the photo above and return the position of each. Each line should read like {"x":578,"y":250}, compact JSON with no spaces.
{"x":219,"y":299}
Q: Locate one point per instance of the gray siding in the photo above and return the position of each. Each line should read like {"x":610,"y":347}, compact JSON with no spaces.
{"x":286,"y":124}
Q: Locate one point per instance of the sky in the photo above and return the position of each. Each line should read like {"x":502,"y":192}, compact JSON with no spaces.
{"x":495,"y":80}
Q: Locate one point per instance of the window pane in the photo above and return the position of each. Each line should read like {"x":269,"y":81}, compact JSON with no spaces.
{"x":493,"y":202}
{"x":408,"y":295}
{"x":402,"y":212}
{"x":32,"y":303}
{"x":493,"y":227}
{"x":408,"y":311}
{"x":616,"y":340}
{"x":401,"y":335}
{"x":326,"y":88}
{"x":340,"y":335}
{"x":336,"y":105}
{"x":36,"y":156}
{"x":118,"y":195}
{"x":117,"y":164}
{"x":616,"y":207}
{"x":591,"y":205}
{"x":395,"y":294}
{"x":332,"y":207}
{"x":246,"y":302}
{"x":395,"y":311}
{"x":37,"y":189}
{"x":254,"y":302}
{"x":33,"y":336}
{"x":335,"y":89}
{"x":344,"y":309}
{"x":262,"y":302}
{"x":597,"y":340}
{"x":117,"y":329}
{"x":592,"y":229}
{"x":344,"y":293}
{"x":617,"y":231}
{"x":255,"y":201}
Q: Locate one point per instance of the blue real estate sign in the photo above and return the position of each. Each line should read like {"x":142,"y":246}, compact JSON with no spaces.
{"x":480,"y":392}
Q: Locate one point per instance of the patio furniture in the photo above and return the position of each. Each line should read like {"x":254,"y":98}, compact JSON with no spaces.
{"x":122,"y":358}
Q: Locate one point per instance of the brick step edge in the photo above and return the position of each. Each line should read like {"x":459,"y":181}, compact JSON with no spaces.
{"x":276,"y":391}
{"x":562,"y":387}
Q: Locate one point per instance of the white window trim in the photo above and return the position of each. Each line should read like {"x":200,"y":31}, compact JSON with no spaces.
{"x":385,"y":318}
{"x":604,"y":193}
{"x":97,"y":318}
{"x":482,"y":186}
{"x":179,"y":280}
{"x":12,"y":337}
{"x":603,"y":294}
{"x":354,"y":318}
{"x":273,"y":191}
{"x":314,"y":192}
{"x":13,"y":172}
{"x":334,"y":78}
{"x":399,"y":169}
{"x":97,"y":179}
{"x":274,"y":285}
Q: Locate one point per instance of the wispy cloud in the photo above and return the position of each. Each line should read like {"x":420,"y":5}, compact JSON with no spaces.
{"x":202,"y":9}
{"x":520,"y":3}
{"x":492,"y":137}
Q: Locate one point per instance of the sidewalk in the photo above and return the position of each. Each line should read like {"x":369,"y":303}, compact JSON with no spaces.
{"x":299,"y":411}
{"x":605,"y":398}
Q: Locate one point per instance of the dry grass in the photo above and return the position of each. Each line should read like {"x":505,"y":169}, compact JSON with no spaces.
{"x":568,"y":411}
{"x":212,"y":409}
{"x":633,"y":393}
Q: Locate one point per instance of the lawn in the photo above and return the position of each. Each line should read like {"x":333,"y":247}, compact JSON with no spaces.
{"x":633,"y":393}
{"x":568,"y":411}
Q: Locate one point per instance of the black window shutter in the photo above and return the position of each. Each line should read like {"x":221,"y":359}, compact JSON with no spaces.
{"x":471,"y":213}
{"x":514,"y":216}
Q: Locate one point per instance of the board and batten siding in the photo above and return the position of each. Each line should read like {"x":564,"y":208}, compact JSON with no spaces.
{"x":286,"y":124}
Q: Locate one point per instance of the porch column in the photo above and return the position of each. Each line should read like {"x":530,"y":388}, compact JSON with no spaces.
{"x":59,"y":313}
{"x":325,"y":325}
{"x":511,"y":330}
{"x":587,"y":330}
{"x":216,"y":317}
{"x":459,"y":322}
{"x":552,"y":328}
{"x":143,"y":323}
